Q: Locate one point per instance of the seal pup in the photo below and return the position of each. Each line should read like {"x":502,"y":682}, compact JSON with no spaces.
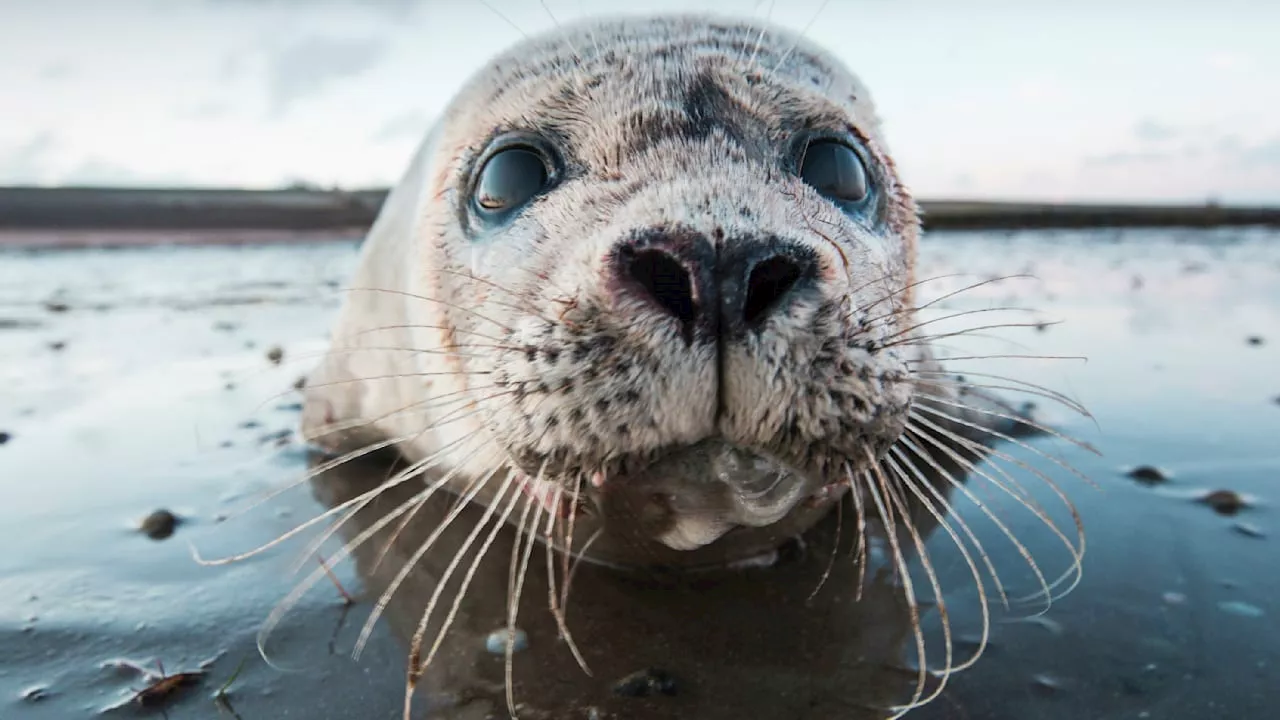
{"x":646,"y":292}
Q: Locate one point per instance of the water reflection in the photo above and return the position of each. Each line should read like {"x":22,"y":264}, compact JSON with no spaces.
{"x":742,"y":643}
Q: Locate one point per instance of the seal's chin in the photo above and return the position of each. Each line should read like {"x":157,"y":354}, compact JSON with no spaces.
{"x":690,"y":496}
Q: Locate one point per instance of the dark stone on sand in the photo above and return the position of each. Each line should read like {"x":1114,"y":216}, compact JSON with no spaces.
{"x":275,"y":354}
{"x":56,"y":307}
{"x":1254,"y":340}
{"x":160,"y":524}
{"x":290,"y":407}
{"x":57,"y":345}
{"x":1148,"y":475}
{"x":279,"y":437}
{"x":5,"y":437}
{"x":250,"y":424}
{"x":1224,"y":502}
{"x":646,"y":683}
{"x":301,"y":382}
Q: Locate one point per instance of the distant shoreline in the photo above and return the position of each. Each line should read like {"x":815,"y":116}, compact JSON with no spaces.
{"x":72,"y":217}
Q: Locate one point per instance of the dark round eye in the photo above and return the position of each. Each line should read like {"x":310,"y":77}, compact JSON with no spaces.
{"x":511,"y":178}
{"x":835,"y":170}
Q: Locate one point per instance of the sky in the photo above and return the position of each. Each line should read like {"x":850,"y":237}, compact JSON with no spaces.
{"x":1140,"y":100}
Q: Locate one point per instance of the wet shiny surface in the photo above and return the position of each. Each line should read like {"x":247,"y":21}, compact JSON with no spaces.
{"x":139,"y":380}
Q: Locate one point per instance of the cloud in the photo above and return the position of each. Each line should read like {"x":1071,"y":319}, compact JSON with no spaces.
{"x":208,"y":110}
{"x":57,"y":71}
{"x":1229,"y":61}
{"x":396,"y":9}
{"x":1153,"y":131}
{"x":28,"y":161}
{"x":305,"y":67}
{"x":1128,"y":157}
{"x":98,"y":172}
{"x":410,"y":124}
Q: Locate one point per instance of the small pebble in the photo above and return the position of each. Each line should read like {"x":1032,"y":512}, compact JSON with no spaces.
{"x":5,"y":437}
{"x":1224,"y":502}
{"x":301,"y":382}
{"x":159,"y":524}
{"x":1243,"y":609}
{"x":1254,"y":340}
{"x":1147,"y":474}
{"x":496,"y":641}
{"x":646,"y":683}
{"x":56,"y":307}
{"x":275,"y":354}
{"x":57,"y":345}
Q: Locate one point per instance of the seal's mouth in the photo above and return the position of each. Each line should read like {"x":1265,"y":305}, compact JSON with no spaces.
{"x":689,"y":496}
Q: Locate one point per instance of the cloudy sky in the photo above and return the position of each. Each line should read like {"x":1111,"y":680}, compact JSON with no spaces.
{"x":1084,"y":100}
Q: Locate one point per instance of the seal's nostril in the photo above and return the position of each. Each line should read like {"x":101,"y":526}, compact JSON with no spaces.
{"x":665,"y":280}
{"x":769,"y":281}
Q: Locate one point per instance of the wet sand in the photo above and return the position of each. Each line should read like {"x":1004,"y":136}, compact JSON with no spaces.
{"x":138,"y":379}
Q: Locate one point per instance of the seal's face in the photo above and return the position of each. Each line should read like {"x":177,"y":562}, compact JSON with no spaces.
{"x":689,"y":270}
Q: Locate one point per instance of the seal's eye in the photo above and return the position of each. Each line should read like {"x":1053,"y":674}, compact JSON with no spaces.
{"x":835,"y":170}
{"x":511,"y":178}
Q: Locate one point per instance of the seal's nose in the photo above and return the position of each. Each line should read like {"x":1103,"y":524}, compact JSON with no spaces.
{"x":757,"y":278}
{"x":680,"y":274}
{"x":671,"y":273}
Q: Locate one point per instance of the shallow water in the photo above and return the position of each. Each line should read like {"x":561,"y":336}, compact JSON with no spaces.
{"x":152,"y":398}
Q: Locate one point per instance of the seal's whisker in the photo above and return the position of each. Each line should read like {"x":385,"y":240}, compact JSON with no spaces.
{"x":929,"y":377}
{"x":525,"y":307}
{"x":923,"y":339}
{"x":461,"y":594}
{"x":417,"y":664}
{"x":950,"y":358}
{"x":294,"y":595}
{"x":1077,"y":553}
{"x":893,"y":293}
{"x":418,"y":326}
{"x":947,"y":512}
{"x":897,"y":503}
{"x":937,"y":412}
{"x":928,"y":458}
{"x":972,"y":287}
{"x":860,"y":534}
{"x":557,"y":611}
{"x":764,"y":27}
{"x":468,"y":495}
{"x":804,"y":31}
{"x":529,"y":535}
{"x":1005,"y":416}
{"x":313,"y":472}
{"x":567,"y":548}
{"x":508,"y":21}
{"x":835,"y":550}
{"x":1013,"y":490}
{"x":904,"y":575}
{"x":318,"y":470}
{"x":454,"y":306}
{"x":913,"y":482}
{"x":910,"y":329}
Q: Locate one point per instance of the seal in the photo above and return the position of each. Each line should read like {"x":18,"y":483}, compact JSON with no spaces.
{"x":655,"y":277}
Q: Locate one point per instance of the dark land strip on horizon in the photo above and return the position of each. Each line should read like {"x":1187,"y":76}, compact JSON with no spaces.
{"x":68,"y":217}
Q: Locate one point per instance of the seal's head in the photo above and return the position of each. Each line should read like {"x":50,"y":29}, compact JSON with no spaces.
{"x":672,"y":268}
